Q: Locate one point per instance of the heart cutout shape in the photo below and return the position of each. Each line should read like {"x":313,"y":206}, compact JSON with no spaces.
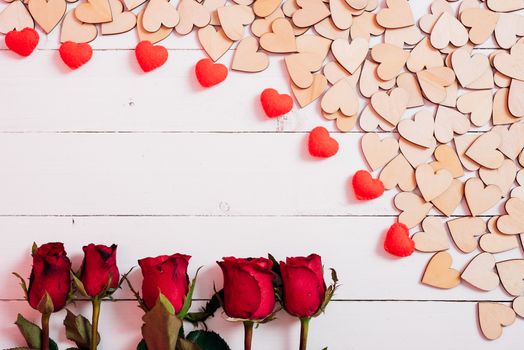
{"x":480,"y":272}
{"x":340,"y":97}
{"x":75,"y":55}
{"x":390,"y":107}
{"x":419,"y":130}
{"x":47,"y":13}
{"x":433,"y":82}
{"x":378,"y":152}
{"x":94,"y":11}
{"x":159,"y":13}
{"x":449,"y":122}
{"x":15,"y":17}
{"x":22,"y":42}
{"x":493,"y":317}
{"x":479,"y":198}
{"x":321,"y":144}
{"x":482,"y":23}
{"x":513,"y":222}
{"x":447,"y":158}
{"x":391,"y":60}
{"x":309,"y":13}
{"x":439,"y":273}
{"x":150,"y":56}
{"x":366,"y":187}
{"x":424,"y":56}
{"x":465,"y":232}
{"x":350,"y":56}
{"x":76,"y":31}
{"x":448,"y":30}
{"x":209,"y":73}
{"x":495,"y":241}
{"x":414,"y":208}
{"x":397,"y":15}
{"x":191,"y":14}
{"x":433,"y":238}
{"x":233,"y":19}
{"x":432,"y":183}
{"x":511,"y":273}
{"x":484,"y":150}
{"x":310,"y":94}
{"x":281,"y":39}
{"x":216,"y":43}
{"x":397,"y":241}
{"x":275,"y":104}
{"x":450,"y":199}
{"x":123,"y":21}
{"x":399,"y":173}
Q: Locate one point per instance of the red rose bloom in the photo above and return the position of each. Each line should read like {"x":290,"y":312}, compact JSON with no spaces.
{"x":51,"y":274}
{"x":304,"y":286}
{"x":167,"y":275}
{"x":248,"y":288}
{"x":99,"y":269}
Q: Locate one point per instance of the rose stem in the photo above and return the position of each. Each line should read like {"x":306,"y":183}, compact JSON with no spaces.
{"x":94,"y":323}
{"x":304,"y":328}
{"x":45,"y":331}
{"x":248,"y":334}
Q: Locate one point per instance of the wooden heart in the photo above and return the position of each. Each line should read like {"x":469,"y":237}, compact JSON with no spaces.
{"x":433,"y":82}
{"x":341,"y":96}
{"x":511,"y":64}
{"x":123,"y":21}
{"x":419,"y":130}
{"x":369,"y":80}
{"x":480,"y":272}
{"x":310,"y":94}
{"x":369,"y":120}
{"x":447,"y":158}
{"x":505,"y":5}
{"x":482,"y":23}
{"x":309,"y":13}
{"x":479,"y":104}
{"x":334,"y":72}
{"x":447,"y":122}
{"x":264,"y":8}
{"x":512,"y":139}
{"x":399,"y":173}
{"x":212,"y":6}
{"x":408,"y":82}
{"x":503,"y":177}
{"x":159,"y":13}
{"x":511,"y":273}
{"x":216,"y":43}
{"x":468,"y":68}
{"x":424,"y":56}
{"x":414,"y":209}
{"x":261,"y":26}
{"x":390,"y":107}
{"x":462,"y":143}
{"x":155,"y":37}
{"x":479,"y":198}
{"x":439,"y":273}
{"x":329,"y":30}
{"x":397,"y":14}
{"x":281,"y":39}
{"x":484,"y":150}
{"x":365,"y":25}
{"x":448,"y":30}
{"x":47,"y":13}
{"x":76,"y":31}
{"x":518,"y":306}
{"x":430,"y":183}
{"x":509,"y":27}
{"x":416,"y":155}
{"x":94,"y":11}
{"x":350,"y":56}
{"x":403,"y":36}
{"x":437,"y":7}
{"x":341,"y":14}
{"x":501,"y":112}
{"x":433,"y":238}
{"x":378,"y":152}
{"x":448,"y":201}
{"x":233,"y":19}
{"x":132,"y":4}
{"x":191,"y":14}
{"x":391,"y":60}
{"x":492,"y":317}
{"x":495,"y":241}
{"x":513,"y":222}
{"x":515,"y":98}
{"x":309,"y":43}
{"x":465,"y":232}
{"x":300,"y":67}
{"x":15,"y":17}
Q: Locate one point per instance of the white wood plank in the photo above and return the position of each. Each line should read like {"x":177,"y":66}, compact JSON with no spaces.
{"x":353,"y":246}
{"x":346,"y":325}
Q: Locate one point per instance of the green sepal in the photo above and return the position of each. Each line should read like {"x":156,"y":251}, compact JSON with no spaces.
{"x":208,"y":340}
{"x":78,"y":330}
{"x":22,"y":284}
{"x":32,"y":334}
{"x":189,"y":297}
{"x":79,"y":285}
{"x":45,"y":306}
{"x":330,"y":291}
{"x":161,"y":326}
{"x":34,"y":249}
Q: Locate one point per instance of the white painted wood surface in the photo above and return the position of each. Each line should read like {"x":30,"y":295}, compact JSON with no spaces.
{"x":157,"y":164}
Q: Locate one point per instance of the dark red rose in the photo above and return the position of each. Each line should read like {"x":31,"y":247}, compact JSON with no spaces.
{"x":51,"y":274}
{"x":304,"y":286}
{"x":99,"y":269}
{"x":248,"y":287}
{"x":167,"y":275}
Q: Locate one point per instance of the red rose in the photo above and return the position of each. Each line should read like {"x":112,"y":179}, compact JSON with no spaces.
{"x":167,"y":275}
{"x":51,"y":274}
{"x":248,"y":288}
{"x":99,"y":269}
{"x":304,"y":286}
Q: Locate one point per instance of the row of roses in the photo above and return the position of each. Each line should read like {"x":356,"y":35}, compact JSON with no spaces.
{"x":252,"y":288}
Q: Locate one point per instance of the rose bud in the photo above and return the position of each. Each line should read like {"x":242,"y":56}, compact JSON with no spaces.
{"x":167,"y":275}
{"x":51,"y":274}
{"x":248,"y":287}
{"x":99,"y":271}
{"x":303,"y":284}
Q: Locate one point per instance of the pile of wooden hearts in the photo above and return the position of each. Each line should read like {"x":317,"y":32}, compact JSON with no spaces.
{"x":466,"y":144}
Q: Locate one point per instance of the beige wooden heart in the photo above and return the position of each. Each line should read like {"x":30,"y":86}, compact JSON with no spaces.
{"x":397,"y":14}
{"x":309,"y":43}
{"x":264,"y":8}
{"x":505,"y":5}
{"x":433,"y":82}
{"x":512,"y":139}
{"x":433,"y":238}
{"x":448,"y":30}
{"x":480,"y":272}
{"x":431,"y":183}
{"x":15,"y":16}
{"x":509,"y":28}
{"x":76,"y":31}
{"x":341,"y":14}
{"x":398,"y":172}
{"x":479,"y":104}
{"x":132,"y":4}
{"x":424,"y":56}
{"x":449,"y":122}
{"x":511,"y":64}
{"x":309,"y":13}
{"x":479,"y":198}
{"x":518,"y":306}
{"x":403,"y":36}
{"x":123,"y":21}
{"x":300,"y":67}
{"x":378,"y":152}
{"x":365,"y":25}
{"x":155,"y":37}
{"x":281,"y":39}
{"x":492,"y":317}
{"x":482,"y":23}
{"x":233,"y":19}
{"x":416,"y":155}
{"x":513,"y":222}
{"x":501,"y":112}
{"x":408,"y":82}
{"x":439,"y":273}
{"x":511,"y":273}
{"x":450,"y":199}
{"x":369,"y":120}
{"x":468,"y":68}
{"x":391,"y":60}
{"x":310,"y":94}
{"x":216,"y":43}
{"x":495,"y":241}
{"x":465,"y":232}
{"x":159,"y":13}
{"x":47,"y":13}
{"x":341,"y":96}
{"x":192,"y":14}
{"x":462,"y":143}
{"x":447,"y":158}
{"x":484,"y":150}
{"x":414,"y":209}
{"x":503,"y":177}
{"x":261,"y":26}
{"x":390,"y":107}
{"x":419,"y":130}
{"x":516,"y":98}
{"x":94,"y":11}
{"x":350,"y":56}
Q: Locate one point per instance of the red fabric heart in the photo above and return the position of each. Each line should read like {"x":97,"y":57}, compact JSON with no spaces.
{"x":22,"y":42}
{"x":209,"y":73}
{"x":321,"y":144}
{"x":150,"y":56}
{"x":75,"y":55}
{"x":366,"y":187}
{"x":398,"y":242}
{"x":275,"y":104}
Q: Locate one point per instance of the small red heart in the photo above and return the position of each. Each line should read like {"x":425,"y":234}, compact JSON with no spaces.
{"x":150,"y":56}
{"x":209,"y":73}
{"x":398,"y":242}
{"x":22,"y":42}
{"x":75,"y":55}
{"x":366,"y":187}
{"x":275,"y":104}
{"x":321,"y":144}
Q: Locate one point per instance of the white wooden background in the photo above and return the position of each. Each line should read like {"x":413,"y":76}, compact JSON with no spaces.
{"x":158,"y":165}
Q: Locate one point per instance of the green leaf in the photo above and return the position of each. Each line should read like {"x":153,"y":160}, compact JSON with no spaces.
{"x":78,"y":329}
{"x":183,"y":344}
{"x":208,"y":340}
{"x":142,"y":345}
{"x":187,"y":300}
{"x":22,"y":283}
{"x":161,"y":326}
{"x":32,"y":334}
